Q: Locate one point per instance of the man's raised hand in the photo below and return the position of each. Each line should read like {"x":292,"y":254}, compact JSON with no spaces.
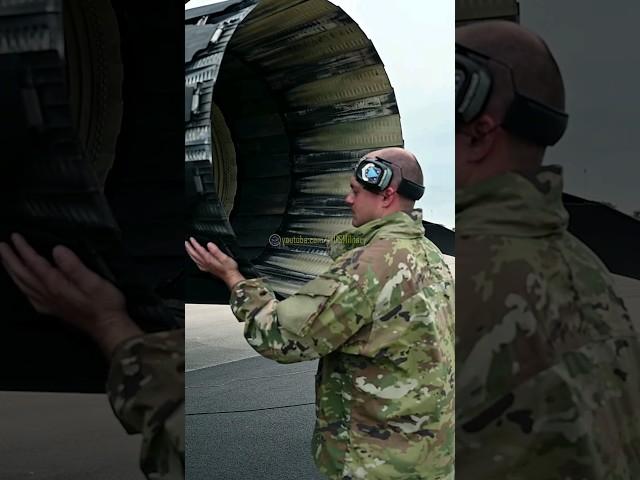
{"x":214,"y":261}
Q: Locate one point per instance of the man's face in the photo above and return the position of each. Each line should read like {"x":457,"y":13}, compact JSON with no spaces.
{"x":365,"y":205}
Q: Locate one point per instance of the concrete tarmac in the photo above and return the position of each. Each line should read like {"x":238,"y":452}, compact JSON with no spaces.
{"x":247,"y":417}
{"x":60,"y":436}
{"x":213,"y":336}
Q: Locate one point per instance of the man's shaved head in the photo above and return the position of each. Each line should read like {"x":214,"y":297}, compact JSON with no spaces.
{"x":367,"y":205}
{"x":403,"y":159}
{"x":483,"y":149}
{"x":535,"y":71}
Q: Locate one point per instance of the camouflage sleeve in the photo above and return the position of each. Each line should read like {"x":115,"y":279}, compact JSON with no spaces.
{"x":146,"y":391}
{"x":315,"y":321}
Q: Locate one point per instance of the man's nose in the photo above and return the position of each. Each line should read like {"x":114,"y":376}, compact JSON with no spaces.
{"x":348,"y":200}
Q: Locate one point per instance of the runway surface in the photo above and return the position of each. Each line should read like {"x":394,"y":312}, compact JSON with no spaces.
{"x":247,"y":417}
{"x":60,"y":436}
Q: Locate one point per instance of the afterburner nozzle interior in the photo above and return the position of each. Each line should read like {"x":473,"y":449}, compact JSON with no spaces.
{"x":288,"y":96}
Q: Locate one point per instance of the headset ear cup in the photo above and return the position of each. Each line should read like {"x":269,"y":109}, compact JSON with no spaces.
{"x":472,"y":93}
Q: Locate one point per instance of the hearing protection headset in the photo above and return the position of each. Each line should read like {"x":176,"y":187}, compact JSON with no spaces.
{"x":375,"y":175}
{"x":525,"y":117}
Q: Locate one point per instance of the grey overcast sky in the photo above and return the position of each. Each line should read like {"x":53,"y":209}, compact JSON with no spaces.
{"x":594,"y":45}
{"x":414,"y":38}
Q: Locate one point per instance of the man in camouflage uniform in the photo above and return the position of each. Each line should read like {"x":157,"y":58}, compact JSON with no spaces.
{"x":548,"y":359}
{"x":381,"y":321}
{"x":146,"y":379}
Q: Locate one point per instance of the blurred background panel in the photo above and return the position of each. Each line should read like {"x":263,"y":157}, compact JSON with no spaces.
{"x":92,"y":137}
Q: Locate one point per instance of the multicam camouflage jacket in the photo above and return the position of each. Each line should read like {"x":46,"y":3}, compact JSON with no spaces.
{"x":547,"y":358}
{"x":146,"y":391}
{"x":381,"y":320}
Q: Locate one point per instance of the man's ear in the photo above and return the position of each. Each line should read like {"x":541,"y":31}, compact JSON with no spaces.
{"x":482,"y":137}
{"x":388,"y":195}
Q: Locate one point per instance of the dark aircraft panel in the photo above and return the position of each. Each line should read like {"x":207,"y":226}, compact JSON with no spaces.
{"x":478,"y":10}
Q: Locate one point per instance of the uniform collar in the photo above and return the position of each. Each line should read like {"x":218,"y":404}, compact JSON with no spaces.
{"x":395,"y":225}
{"x":514,"y":204}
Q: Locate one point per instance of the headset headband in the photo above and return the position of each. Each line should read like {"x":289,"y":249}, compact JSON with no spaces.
{"x":527,"y":118}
